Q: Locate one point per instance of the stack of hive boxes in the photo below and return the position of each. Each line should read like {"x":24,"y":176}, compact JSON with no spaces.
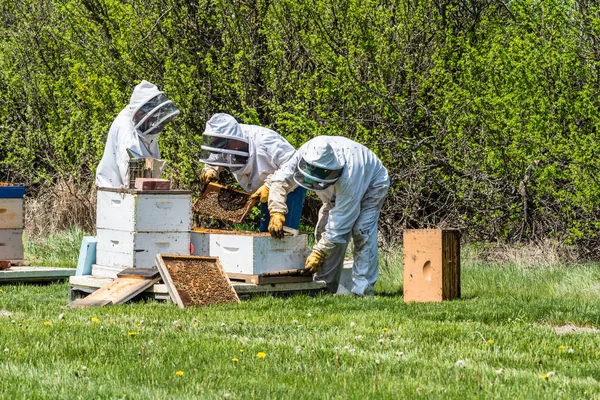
{"x":11,"y":223}
{"x":134,"y":225}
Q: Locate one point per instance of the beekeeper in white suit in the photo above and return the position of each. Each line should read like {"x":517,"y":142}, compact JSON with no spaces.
{"x":352,"y":183}
{"x":252,"y":153}
{"x":137,"y":128}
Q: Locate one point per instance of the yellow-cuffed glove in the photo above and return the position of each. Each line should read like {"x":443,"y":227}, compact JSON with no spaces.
{"x":314,"y":261}
{"x":276,"y":225}
{"x":262,"y":193}
{"x":208,"y":175}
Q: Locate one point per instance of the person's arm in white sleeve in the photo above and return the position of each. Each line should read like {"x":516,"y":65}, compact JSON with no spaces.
{"x":341,"y":220}
{"x":282,"y":183}
{"x":122,"y":159}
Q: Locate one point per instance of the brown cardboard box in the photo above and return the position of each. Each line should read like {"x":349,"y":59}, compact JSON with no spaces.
{"x":431,"y":265}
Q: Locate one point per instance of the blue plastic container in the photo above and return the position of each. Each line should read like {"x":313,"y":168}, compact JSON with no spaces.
{"x":12,"y":192}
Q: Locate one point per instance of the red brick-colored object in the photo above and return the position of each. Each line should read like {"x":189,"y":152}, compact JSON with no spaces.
{"x":431,"y":265}
{"x":4,"y":265}
{"x":152,"y":184}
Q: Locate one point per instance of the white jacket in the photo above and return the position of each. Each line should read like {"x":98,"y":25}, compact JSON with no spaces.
{"x":268,"y":150}
{"x":112,"y":170}
{"x":363,"y":171}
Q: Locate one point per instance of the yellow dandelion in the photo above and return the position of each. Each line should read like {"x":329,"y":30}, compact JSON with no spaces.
{"x":490,"y":341}
{"x":545,"y":377}
{"x":132,"y":333}
{"x":235,"y":359}
{"x":562,"y":347}
{"x":47,"y":323}
{"x":242,"y":351}
{"x":385,"y":329}
{"x":179,"y":373}
{"x":95,"y":320}
{"x":261,"y":354}
{"x":1,"y":291}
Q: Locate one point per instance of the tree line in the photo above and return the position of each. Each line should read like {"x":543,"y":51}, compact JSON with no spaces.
{"x":485,"y":112}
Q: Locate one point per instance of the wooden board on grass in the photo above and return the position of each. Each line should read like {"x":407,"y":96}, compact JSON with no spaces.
{"x":195,"y":280}
{"x":128,"y":284}
{"x":224,"y":203}
{"x":35,"y":274}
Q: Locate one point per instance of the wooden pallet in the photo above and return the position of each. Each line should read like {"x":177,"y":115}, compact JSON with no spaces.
{"x":129,"y":283}
{"x":283,"y":276}
{"x":83,"y":285}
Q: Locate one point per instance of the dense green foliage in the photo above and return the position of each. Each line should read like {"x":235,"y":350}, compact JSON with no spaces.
{"x":501,"y":341}
{"x":485,"y":112}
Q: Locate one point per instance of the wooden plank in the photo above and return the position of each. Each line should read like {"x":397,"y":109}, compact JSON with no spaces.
{"x":248,"y":288}
{"x":119,"y":291}
{"x":148,"y":273}
{"x":195,"y":280}
{"x":268,"y":278}
{"x":35,"y":274}
{"x":288,"y":272}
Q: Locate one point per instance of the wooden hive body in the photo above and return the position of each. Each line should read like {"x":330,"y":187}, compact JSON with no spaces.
{"x":431,"y":265}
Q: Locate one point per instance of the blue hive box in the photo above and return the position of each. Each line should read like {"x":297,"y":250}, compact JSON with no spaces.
{"x":12,"y":192}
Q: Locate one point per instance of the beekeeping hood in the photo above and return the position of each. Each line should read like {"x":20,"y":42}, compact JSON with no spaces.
{"x":321,"y":166}
{"x":224,"y":143}
{"x":150,"y":110}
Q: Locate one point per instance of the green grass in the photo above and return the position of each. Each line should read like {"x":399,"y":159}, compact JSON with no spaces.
{"x":321,"y":347}
{"x":55,"y":250}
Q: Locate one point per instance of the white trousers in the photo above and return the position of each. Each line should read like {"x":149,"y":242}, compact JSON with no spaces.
{"x":364,"y":234}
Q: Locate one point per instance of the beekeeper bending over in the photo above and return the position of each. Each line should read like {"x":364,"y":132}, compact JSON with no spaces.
{"x":352,"y":183}
{"x":252,"y":154}
{"x":137,"y":128}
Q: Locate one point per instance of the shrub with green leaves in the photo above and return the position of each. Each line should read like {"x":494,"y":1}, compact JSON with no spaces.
{"x":485,"y":113}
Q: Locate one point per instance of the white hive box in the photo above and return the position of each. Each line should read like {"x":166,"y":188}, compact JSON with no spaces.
{"x":250,"y":253}
{"x":11,"y":244}
{"x":144,"y":211}
{"x":133,"y":226}
{"x":138,"y":249}
{"x":11,"y":214}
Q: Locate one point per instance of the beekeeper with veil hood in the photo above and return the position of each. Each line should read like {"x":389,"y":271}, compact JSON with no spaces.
{"x":252,"y":154}
{"x":352,"y":183}
{"x":136,"y":128}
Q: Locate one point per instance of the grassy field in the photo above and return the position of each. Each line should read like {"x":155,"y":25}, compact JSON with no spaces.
{"x":504,"y":339}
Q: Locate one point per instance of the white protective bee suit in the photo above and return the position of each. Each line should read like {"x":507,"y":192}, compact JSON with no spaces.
{"x":253,"y":164}
{"x":352,"y":185}
{"x":137,"y":127}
